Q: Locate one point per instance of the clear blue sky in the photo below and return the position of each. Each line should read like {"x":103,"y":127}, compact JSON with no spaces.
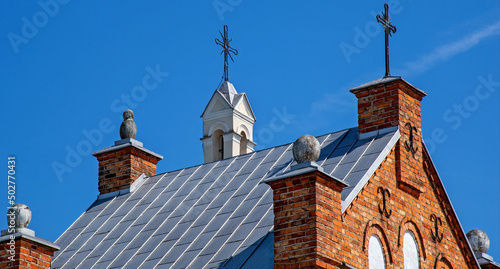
{"x":69,"y":68}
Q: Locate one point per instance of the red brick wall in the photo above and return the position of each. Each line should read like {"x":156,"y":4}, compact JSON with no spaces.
{"x":385,"y":105}
{"x":362,"y":219}
{"x":415,"y":193}
{"x":120,"y":168}
{"x":306,"y":221}
{"x":396,"y":103}
{"x":28,"y":254}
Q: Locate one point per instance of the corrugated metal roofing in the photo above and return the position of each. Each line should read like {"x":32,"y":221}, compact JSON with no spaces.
{"x":214,"y":215}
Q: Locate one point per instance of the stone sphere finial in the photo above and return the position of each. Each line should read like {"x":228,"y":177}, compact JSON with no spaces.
{"x":478,"y":240}
{"x":19,"y":215}
{"x":128,"y":129}
{"x":306,"y":149}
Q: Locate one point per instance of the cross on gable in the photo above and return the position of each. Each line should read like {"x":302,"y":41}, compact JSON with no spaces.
{"x":388,"y":27}
{"x":227,"y":50}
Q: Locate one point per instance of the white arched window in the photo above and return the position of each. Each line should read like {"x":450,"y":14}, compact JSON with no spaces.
{"x":218,"y":145}
{"x":410,"y":251}
{"x":376,"y":259}
{"x":243,"y":143}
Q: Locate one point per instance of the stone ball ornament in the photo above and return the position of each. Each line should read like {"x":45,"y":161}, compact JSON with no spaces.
{"x":478,"y":240}
{"x":306,"y":149}
{"x":128,"y":129}
{"x":19,"y":216}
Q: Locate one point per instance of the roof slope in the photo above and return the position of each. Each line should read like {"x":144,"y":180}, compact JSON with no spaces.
{"x":214,"y":215}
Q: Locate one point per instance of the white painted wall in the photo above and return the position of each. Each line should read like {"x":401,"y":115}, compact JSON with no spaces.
{"x":410,"y":251}
{"x":376,"y":258}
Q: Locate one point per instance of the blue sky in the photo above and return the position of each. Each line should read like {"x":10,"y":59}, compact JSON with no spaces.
{"x":70,"y":69}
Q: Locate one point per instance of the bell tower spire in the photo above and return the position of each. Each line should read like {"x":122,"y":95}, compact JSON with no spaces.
{"x":228,"y":118}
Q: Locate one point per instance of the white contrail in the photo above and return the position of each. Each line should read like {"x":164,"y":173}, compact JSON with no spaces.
{"x":447,"y":51}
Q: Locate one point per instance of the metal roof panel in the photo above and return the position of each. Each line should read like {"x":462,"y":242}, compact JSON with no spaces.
{"x":215,"y":214}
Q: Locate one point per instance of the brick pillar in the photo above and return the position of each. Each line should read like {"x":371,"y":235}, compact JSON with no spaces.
{"x":307,"y":220}
{"x":391,"y":102}
{"x":20,"y":248}
{"x":122,"y":164}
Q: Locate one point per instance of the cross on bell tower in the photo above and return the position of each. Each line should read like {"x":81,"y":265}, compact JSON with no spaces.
{"x":228,"y":118}
{"x":386,"y":23}
{"x":227,"y":50}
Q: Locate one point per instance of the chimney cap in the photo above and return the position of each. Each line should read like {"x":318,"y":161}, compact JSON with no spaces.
{"x":386,"y":80}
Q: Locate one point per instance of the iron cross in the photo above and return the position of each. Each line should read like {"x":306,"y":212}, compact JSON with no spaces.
{"x":388,"y":27}
{"x":386,"y":194}
{"x":226,"y":49}
{"x":409,"y":143}
{"x":435,"y":234}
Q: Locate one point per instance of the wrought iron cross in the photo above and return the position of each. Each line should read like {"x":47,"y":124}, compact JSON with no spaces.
{"x":388,"y":27}
{"x":386,"y":194}
{"x":227,"y":50}
{"x":409,"y":144}
{"x":435,"y":234}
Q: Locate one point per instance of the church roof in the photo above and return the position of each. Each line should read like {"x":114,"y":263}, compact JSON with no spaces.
{"x":229,"y":92}
{"x":213,"y":215}
{"x":231,"y":97}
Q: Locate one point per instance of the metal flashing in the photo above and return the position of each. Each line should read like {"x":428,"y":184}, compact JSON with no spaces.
{"x":127,"y":143}
{"x":31,"y":238}
{"x":137,"y":183}
{"x":385,"y":80}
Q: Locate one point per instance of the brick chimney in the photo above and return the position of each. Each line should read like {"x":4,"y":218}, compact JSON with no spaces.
{"x":19,"y":247}
{"x":391,"y":101}
{"x":122,"y":164}
{"x":307,"y":212}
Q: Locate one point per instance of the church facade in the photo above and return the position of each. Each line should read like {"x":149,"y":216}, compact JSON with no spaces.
{"x":363,"y":197}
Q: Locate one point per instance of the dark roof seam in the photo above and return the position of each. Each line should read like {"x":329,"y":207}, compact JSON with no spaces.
{"x":345,"y":154}
{"x":151,"y":252}
{"x":258,"y":245}
{"x":62,"y":251}
{"x":338,"y":143}
{"x":222,"y":173}
{"x":225,"y":222}
{"x":255,"y":227}
{"x":359,"y":158}
{"x":277,"y":160}
{"x":242,"y":221}
{"x":151,"y":189}
{"x":256,"y":204}
{"x":104,"y":254}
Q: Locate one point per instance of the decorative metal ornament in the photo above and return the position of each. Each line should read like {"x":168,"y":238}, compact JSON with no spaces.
{"x":388,"y":27}
{"x":227,"y":50}
{"x":409,"y":144}
{"x":435,"y":234}
{"x":386,"y":194}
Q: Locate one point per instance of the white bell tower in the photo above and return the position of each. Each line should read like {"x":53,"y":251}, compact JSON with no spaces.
{"x":227,"y":124}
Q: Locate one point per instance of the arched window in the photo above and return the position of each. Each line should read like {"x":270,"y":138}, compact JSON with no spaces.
{"x":376,"y":259}
{"x":218,"y":145}
{"x":410,"y":251}
{"x":442,"y":262}
{"x":243,"y":143}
